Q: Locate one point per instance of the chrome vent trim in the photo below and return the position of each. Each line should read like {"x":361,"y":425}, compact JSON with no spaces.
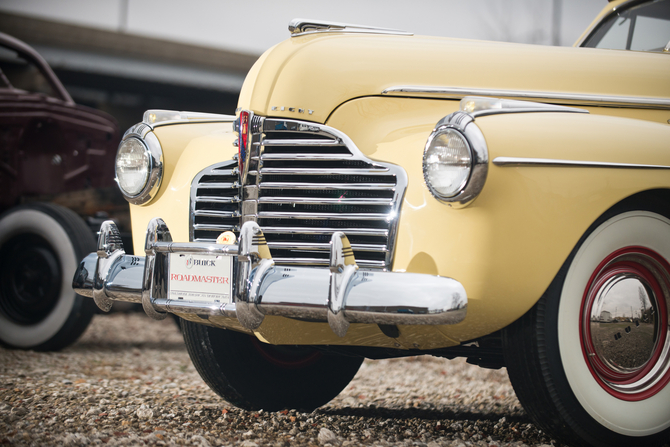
{"x":305,"y":182}
{"x":215,"y":202}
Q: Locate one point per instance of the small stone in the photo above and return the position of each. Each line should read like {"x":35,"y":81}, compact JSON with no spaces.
{"x":19,"y":411}
{"x":144,"y":412}
{"x":199,"y":441}
{"x":326,"y":436}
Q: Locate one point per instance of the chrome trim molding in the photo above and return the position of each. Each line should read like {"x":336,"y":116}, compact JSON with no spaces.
{"x":226,"y":194}
{"x":339,"y":293}
{"x":584,"y":99}
{"x":152,"y":146}
{"x":169,"y":117}
{"x":549,"y":162}
{"x":301,"y":27}
{"x":496,"y":106}
{"x":342,"y":270}
{"x":464,"y":124}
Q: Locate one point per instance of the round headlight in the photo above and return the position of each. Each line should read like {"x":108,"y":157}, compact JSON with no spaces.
{"x":133,"y":164}
{"x":447,"y":162}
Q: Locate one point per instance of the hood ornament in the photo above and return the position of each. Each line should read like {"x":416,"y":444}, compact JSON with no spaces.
{"x":300,"y":27}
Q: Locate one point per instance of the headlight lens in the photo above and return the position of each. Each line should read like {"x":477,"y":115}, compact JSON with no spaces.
{"x":447,"y":162}
{"x":133,"y":164}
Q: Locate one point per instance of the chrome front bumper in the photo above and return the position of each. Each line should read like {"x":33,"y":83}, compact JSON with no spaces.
{"x":341,"y":294}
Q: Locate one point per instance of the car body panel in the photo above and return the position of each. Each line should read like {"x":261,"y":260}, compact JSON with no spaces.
{"x":507,"y":246}
{"x":188,"y":149}
{"x":318,"y":73}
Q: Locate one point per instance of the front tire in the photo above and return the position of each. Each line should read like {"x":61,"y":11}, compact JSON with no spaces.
{"x":253,"y":375}
{"x":590,"y":362}
{"x":40,"y":247}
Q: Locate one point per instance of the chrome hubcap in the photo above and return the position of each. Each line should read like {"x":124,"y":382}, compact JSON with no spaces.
{"x":624,"y":328}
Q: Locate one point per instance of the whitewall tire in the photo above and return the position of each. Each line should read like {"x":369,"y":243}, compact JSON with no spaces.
{"x":628,"y":410}
{"x":40,"y":248}
{"x":590,"y":362}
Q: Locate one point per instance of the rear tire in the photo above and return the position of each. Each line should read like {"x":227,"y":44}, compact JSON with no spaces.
{"x":40,"y":247}
{"x":590,"y":362}
{"x":253,"y":375}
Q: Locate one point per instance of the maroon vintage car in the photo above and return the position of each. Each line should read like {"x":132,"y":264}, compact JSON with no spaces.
{"x":56,"y":170}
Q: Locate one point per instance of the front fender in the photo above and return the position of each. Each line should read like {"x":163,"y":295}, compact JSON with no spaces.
{"x":507,"y":246}
{"x":188,"y":148}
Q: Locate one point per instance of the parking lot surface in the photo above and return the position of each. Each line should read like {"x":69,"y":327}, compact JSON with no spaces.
{"x":129,"y":381}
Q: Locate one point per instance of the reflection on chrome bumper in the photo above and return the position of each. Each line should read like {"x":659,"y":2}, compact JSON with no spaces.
{"x":341,"y":294}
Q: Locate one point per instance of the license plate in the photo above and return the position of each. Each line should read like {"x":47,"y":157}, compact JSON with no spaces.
{"x":199,"y":277}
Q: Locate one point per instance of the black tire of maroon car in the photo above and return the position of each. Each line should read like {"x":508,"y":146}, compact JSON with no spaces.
{"x":41,"y":245}
{"x":254,"y":375}
{"x":581,"y":393}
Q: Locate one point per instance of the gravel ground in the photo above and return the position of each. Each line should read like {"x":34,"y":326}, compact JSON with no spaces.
{"x":129,"y":381}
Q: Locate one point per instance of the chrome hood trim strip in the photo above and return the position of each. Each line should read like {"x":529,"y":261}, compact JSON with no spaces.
{"x":549,"y":162}
{"x":583,"y":99}
{"x":170,"y":117}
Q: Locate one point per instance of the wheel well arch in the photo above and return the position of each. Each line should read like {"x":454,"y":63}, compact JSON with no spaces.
{"x":657,"y":200}
{"x":654,"y":200}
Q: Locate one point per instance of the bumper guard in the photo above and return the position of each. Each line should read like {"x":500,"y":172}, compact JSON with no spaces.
{"x":340,"y":294}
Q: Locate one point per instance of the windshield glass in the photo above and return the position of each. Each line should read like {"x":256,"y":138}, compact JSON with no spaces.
{"x":643,"y":27}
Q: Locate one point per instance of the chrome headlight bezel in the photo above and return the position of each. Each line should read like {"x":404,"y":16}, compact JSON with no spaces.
{"x":154,"y":154}
{"x":464,"y":125}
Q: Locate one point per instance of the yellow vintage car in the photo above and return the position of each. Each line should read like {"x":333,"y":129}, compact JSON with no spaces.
{"x":380,"y":194}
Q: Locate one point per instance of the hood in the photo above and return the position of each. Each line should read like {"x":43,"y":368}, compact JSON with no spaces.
{"x":319,"y":72}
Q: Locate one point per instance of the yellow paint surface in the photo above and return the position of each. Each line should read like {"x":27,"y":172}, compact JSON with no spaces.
{"x":187,"y":150}
{"x":321,"y":72}
{"x":506,"y":247}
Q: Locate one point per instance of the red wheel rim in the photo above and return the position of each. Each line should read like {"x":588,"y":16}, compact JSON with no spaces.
{"x":617,"y":363}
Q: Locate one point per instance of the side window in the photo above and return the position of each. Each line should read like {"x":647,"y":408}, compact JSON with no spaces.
{"x":644,"y":27}
{"x":22,"y":73}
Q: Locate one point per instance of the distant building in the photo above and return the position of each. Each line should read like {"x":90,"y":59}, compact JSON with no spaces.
{"x":126,"y":74}
{"x":606,"y":316}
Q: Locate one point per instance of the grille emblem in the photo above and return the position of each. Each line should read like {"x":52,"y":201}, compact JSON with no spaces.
{"x":244,"y":146}
{"x":291,"y":109}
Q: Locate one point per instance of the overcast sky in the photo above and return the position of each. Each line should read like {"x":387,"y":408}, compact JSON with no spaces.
{"x":255,"y":25}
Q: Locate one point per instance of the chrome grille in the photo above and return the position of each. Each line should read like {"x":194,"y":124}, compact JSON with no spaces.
{"x":215,"y":202}
{"x":305,"y":182}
